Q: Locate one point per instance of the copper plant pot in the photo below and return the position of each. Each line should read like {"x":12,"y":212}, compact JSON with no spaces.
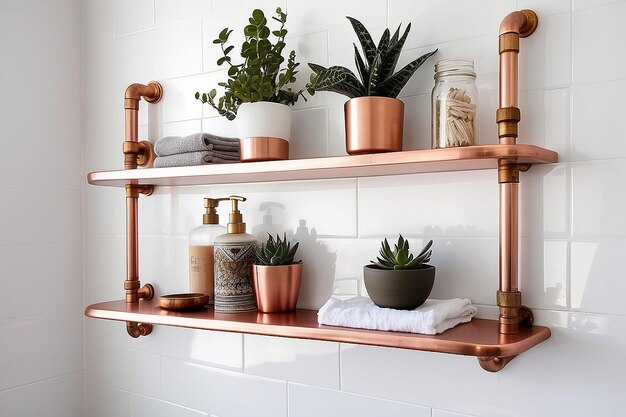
{"x":373,"y":124}
{"x":277,"y":287}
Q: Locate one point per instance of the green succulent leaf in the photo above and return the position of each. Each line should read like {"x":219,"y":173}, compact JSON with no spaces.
{"x":393,"y":54}
{"x":367,"y":44}
{"x":372,"y":81}
{"x":360,"y":65}
{"x":276,"y":251}
{"x":383,"y":44}
{"x":401,"y":257}
{"x":392,"y":86}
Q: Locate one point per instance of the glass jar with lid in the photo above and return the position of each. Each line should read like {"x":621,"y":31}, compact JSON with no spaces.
{"x":454,"y":104}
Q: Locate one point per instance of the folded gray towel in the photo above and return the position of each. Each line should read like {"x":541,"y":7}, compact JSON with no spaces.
{"x":195,"y":158}
{"x":172,"y":145}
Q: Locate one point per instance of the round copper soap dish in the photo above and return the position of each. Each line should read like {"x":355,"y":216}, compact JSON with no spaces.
{"x":186,"y":301}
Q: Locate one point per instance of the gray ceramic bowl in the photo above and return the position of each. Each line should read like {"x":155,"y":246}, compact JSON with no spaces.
{"x":404,"y":289}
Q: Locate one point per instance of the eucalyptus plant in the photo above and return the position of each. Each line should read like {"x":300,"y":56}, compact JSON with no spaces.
{"x":276,"y":251}
{"x":263,"y":75}
{"x":377,"y":76}
{"x":401,"y":257}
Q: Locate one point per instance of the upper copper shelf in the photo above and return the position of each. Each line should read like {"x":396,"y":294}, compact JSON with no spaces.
{"x":392,"y":163}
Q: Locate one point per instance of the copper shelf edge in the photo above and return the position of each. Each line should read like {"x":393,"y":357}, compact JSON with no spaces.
{"x":391,"y":163}
{"x":479,"y":338}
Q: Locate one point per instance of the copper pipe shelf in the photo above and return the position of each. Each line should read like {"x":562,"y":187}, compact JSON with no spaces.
{"x":478,"y":338}
{"x":392,"y":163}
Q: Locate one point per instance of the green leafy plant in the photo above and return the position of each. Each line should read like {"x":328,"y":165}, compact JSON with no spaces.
{"x":261,"y":76}
{"x":400,"y":257}
{"x":276,"y":251}
{"x":377,"y":71}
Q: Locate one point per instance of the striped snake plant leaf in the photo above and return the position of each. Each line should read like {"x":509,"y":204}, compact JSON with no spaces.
{"x":360,"y":65}
{"x":393,"y":54}
{"x":383,"y":44}
{"x":368,"y":45}
{"x":392,"y":86}
{"x":372,"y":81}
{"x":337,"y":79}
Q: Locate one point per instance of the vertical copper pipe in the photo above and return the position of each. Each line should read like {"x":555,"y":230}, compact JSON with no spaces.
{"x":132,"y":249}
{"x":515,"y":25}
{"x":508,"y":236}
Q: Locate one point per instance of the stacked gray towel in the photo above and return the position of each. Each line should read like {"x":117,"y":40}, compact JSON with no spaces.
{"x":196,"y":149}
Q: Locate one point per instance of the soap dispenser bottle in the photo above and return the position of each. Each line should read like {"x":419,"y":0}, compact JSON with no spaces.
{"x":201,"y":265}
{"x":235,"y":252}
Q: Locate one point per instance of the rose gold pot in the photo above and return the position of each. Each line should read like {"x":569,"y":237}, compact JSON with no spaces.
{"x":277,"y":287}
{"x":373,"y":124}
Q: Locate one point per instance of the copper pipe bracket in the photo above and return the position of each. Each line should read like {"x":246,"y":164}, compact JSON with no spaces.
{"x":529,"y":27}
{"x":507,"y":119}
{"x":512,"y":313}
{"x":494,"y":363}
{"x":133,"y":190}
{"x":138,"y":154}
{"x":135,"y":329}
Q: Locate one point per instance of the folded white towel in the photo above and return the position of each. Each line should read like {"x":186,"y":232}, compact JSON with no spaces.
{"x":432,"y":317}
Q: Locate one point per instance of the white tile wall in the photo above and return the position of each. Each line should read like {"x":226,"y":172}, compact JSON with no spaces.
{"x":309,"y":362}
{"x":41,"y":285}
{"x":572,"y":227}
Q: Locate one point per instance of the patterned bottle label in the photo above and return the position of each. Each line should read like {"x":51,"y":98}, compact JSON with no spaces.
{"x":233,"y":277}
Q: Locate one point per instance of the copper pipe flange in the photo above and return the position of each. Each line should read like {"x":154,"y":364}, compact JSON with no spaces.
{"x":146,"y":155}
{"x":158,"y":88}
{"x":529,"y":27}
{"x":146,"y":292}
{"x":526,"y":317}
{"x":135,"y":329}
{"x":494,"y":363}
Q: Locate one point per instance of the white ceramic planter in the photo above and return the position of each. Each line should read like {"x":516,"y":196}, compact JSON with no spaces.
{"x":264,"y":129}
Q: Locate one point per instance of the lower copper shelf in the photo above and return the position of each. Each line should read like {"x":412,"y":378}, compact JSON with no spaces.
{"x":478,"y":338}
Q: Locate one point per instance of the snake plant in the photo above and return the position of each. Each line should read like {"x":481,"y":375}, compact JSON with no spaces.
{"x":377,"y":76}
{"x":276,"y":251}
{"x":400,"y":257}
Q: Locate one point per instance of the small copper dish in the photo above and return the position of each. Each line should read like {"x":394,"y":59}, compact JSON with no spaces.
{"x":188,"y":301}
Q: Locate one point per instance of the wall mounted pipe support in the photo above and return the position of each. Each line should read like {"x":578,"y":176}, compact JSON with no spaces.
{"x":514,"y":26}
{"x":136,"y":154}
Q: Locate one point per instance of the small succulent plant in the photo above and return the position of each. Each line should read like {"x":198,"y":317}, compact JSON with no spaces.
{"x":376,"y":71}
{"x":400,"y":257}
{"x":263,"y":75}
{"x":276,"y":251}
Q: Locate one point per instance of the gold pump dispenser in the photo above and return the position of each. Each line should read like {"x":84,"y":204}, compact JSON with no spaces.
{"x":201,"y":249}
{"x":235,"y":253}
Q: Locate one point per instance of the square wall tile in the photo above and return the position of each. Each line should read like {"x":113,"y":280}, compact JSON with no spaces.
{"x":543,"y":273}
{"x":545,"y":121}
{"x":309,"y":133}
{"x":598,"y":53}
{"x":22,"y":221}
{"x":56,"y":397}
{"x":544,"y":202}
{"x":221,"y":349}
{"x":53,"y":282}
{"x":597,"y":121}
{"x":151,"y":407}
{"x":179,"y":102}
{"x":22,"y":360}
{"x":312,"y":402}
{"x":545,"y":381}
{"x":417,"y":123}
{"x":597,"y":206}
{"x":453,"y":204}
{"x":391,"y":374}
{"x":134,"y":16}
{"x":310,"y":362}
{"x":436,"y":21}
{"x":104,"y":211}
{"x":103,"y":401}
{"x":466,"y":268}
{"x":185,"y":128}
{"x":172,"y":11}
{"x":220,"y":392}
{"x":302,"y":18}
{"x":597,"y":286}
{"x":220,"y":126}
{"x":545,"y":57}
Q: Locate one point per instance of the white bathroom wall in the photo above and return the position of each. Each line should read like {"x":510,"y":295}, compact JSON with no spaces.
{"x":573,"y":229}
{"x":41,"y":249}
